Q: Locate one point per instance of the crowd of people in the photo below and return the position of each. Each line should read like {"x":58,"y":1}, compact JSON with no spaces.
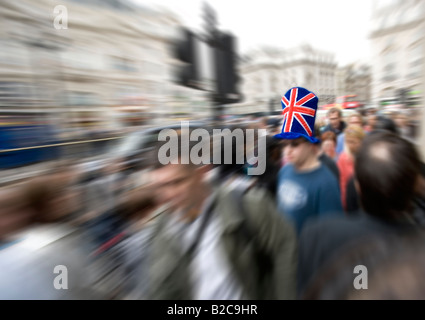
{"x":333,"y":197}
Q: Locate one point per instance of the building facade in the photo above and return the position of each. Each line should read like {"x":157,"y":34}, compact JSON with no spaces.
{"x":98,"y":63}
{"x":269,"y":72}
{"x":354,"y":79}
{"x":398,"y":48}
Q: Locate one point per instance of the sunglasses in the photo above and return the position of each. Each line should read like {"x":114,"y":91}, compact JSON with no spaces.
{"x":293,"y":143}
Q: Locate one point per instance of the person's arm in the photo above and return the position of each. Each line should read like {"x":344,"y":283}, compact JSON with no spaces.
{"x":340,"y":144}
{"x":351,"y":198}
{"x":329,"y":198}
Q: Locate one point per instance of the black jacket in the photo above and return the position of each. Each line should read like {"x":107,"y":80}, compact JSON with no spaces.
{"x":337,"y":131}
{"x":323,"y":241}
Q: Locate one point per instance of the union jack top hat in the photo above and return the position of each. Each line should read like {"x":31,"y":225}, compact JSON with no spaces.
{"x":299,"y":114}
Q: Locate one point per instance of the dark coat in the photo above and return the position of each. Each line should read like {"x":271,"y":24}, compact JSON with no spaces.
{"x":323,"y":241}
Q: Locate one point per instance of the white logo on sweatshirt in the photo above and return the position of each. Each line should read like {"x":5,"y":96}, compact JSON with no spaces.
{"x":292,"y":196}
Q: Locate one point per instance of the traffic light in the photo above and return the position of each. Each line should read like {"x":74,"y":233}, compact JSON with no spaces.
{"x":187,"y":74}
{"x":227,"y":78}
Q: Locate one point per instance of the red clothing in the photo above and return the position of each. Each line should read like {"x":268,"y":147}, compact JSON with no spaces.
{"x":346,"y":169}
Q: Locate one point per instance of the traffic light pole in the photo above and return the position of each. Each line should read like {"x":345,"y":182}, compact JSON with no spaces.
{"x":218,"y":112}
{"x":217,"y":108}
{"x":211,"y":32}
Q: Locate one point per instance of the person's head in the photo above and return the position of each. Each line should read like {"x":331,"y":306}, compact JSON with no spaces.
{"x":354,"y":136}
{"x":371,"y":120}
{"x":384,"y":123}
{"x":335,"y":117}
{"x":180,"y":182}
{"x":179,"y":186}
{"x":401,"y":120}
{"x":386,"y":171}
{"x":15,"y":213}
{"x":370,"y":111}
{"x":328,"y":143}
{"x":355,"y":119}
{"x":299,"y":152}
{"x":328,"y":135}
{"x":51,"y":196}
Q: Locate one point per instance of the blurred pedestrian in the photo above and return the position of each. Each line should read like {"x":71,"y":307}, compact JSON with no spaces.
{"x":208,"y":245}
{"x":384,"y":123}
{"x":403,"y":126}
{"x":328,"y":145}
{"x":329,"y":142}
{"x":306,"y":188}
{"x":371,"y":120}
{"x":352,"y":201}
{"x":353,"y":119}
{"x":386,"y":170}
{"x":336,"y":123}
{"x":42,"y":257}
{"x":374,"y":268}
{"x":354,"y":136}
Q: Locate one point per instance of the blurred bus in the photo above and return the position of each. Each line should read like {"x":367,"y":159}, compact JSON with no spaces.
{"x":344,"y":102}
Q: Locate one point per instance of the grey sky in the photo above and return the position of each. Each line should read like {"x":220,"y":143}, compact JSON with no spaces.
{"x":338,"y":26}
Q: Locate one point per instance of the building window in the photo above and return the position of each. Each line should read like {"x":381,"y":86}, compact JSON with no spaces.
{"x":415,"y":57}
{"x":17,"y":94}
{"x":122,"y":64}
{"x":389,"y":70}
{"x":76,"y":98}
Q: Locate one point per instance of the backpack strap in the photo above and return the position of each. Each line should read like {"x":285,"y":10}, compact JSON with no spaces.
{"x":203,"y":226}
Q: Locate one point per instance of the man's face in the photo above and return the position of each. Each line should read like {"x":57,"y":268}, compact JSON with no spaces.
{"x":177,"y":185}
{"x":354,"y":120}
{"x":334,"y":120}
{"x":372,"y":120}
{"x":298,"y":151}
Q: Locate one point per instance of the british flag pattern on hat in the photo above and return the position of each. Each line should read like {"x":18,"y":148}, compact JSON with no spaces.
{"x":299,"y":114}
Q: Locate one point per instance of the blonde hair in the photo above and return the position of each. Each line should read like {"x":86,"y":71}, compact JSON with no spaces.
{"x":355,"y":115}
{"x":354,"y":131}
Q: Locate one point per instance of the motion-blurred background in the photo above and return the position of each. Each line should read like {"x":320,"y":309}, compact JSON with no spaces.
{"x":87,"y":70}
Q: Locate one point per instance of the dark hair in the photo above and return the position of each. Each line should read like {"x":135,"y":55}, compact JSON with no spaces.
{"x":328,"y":135}
{"x":386,"y":169}
{"x":333,"y":110}
{"x":385,"y":124}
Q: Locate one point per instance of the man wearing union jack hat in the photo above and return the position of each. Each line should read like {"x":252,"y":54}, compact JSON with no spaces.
{"x":306,"y":188}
